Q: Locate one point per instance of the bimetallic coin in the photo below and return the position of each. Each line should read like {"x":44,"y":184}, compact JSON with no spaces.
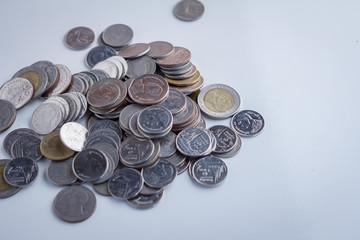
{"x":98,"y":54}
{"x":219,"y":101}
{"x":79,"y":38}
{"x":53,"y":148}
{"x":73,"y":135}
{"x":18,"y":91}
{"x":189,"y":10}
{"x":134,"y":50}
{"x":248,"y":123}
{"x":8,"y":114}
{"x":142,"y":201}
{"x":60,"y":172}
{"x":194,"y":142}
{"x":74,"y":204}
{"x":160,"y":49}
{"x":209,"y":171}
{"x":6,"y":190}
{"x":160,"y":174}
{"x":21,"y":172}
{"x":175,"y":102}
{"x":51,"y":71}
{"x":125,"y":183}
{"x":26,"y":146}
{"x":225,"y":138}
{"x":117,"y":35}
{"x":14,"y":135}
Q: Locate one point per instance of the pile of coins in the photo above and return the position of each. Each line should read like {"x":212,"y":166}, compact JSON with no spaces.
{"x":143,"y":129}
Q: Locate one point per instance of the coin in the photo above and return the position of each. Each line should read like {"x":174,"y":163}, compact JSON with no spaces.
{"x":193,"y":142}
{"x":63,"y":84}
{"x":126,"y":113}
{"x":233,"y":151}
{"x":74,"y":204}
{"x":106,"y":125}
{"x":46,"y":118}
{"x":18,"y":91}
{"x":52,"y":147}
{"x":155,"y":120}
{"x":26,"y":146}
{"x":60,"y":172}
{"x":147,"y":190}
{"x":8,"y":115}
{"x":102,"y":188}
{"x":148,"y":89}
{"x":6,"y":190}
{"x":73,"y":135}
{"x":136,"y":151}
{"x":190,"y":89}
{"x":140,"y":66}
{"x":109,"y":67}
{"x":175,"y":102}
{"x":79,"y":38}
{"x":180,"y":56}
{"x":187,"y":81}
{"x":159,"y":175}
{"x":160,"y":49}
{"x":51,"y":72}
{"x":167,"y":145}
{"x":134,"y":50}
{"x":92,"y":140}
{"x":189,"y":10}
{"x":105,"y":132}
{"x":98,"y":54}
{"x":209,"y":171}
{"x":176,"y":159}
{"x":182,"y":167}
{"x":21,"y":172}
{"x":125,"y":183}
{"x":133,"y":125}
{"x":77,"y":85}
{"x":225,"y":138}
{"x":142,"y":201}
{"x":248,"y":123}
{"x":14,"y":135}
{"x":218,"y":101}
{"x":117,"y":35}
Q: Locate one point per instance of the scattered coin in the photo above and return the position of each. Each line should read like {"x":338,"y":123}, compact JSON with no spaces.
{"x":53,"y":148}
{"x":248,"y":123}
{"x":225,"y":138}
{"x":60,"y":172}
{"x":209,"y":171}
{"x":160,"y":174}
{"x":160,"y":49}
{"x":189,"y":10}
{"x":6,"y":190}
{"x":73,"y":135}
{"x":8,"y":115}
{"x":98,"y":54}
{"x":117,"y":35}
{"x":18,"y":91}
{"x":79,"y":38}
{"x":21,"y":172}
{"x":194,"y":142}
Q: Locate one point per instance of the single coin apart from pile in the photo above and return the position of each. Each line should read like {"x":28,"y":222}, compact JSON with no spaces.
{"x":79,"y":38}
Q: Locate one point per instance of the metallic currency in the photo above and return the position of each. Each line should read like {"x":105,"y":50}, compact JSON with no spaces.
{"x":98,"y":54}
{"x":248,"y":123}
{"x":209,"y":171}
{"x":125,"y":183}
{"x":21,"y":172}
{"x":79,"y":38}
{"x":142,"y":201}
{"x":18,"y":91}
{"x":53,"y":148}
{"x":117,"y":35}
{"x":6,"y":190}
{"x":160,"y":49}
{"x":60,"y":172}
{"x":189,"y":10}
{"x":26,"y":146}
{"x":134,"y":50}
{"x":73,"y":135}
{"x":8,"y":114}
{"x":160,"y":174}
{"x":15,"y":135}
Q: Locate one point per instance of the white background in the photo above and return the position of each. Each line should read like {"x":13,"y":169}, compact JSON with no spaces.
{"x":295,"y":62}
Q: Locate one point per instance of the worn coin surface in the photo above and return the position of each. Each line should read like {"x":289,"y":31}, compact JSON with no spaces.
{"x":117,"y":35}
{"x":6,"y":190}
{"x":140,"y":66}
{"x":218,"y":101}
{"x":26,"y":146}
{"x":14,"y":135}
{"x":189,"y":10}
{"x":60,"y":172}
{"x":106,"y":124}
{"x":18,"y":91}
{"x":134,"y":151}
{"x":36,"y":76}
{"x":98,"y":54}
{"x":160,"y":49}
{"x":167,"y":145}
{"x":194,"y":142}
{"x":248,"y":123}
{"x":134,"y":50}
{"x":142,"y":201}
{"x":175,"y":102}
{"x":21,"y":172}
{"x":73,"y":135}
{"x":79,"y":38}
{"x":125,"y":183}
{"x":8,"y":114}
{"x":155,"y":120}
{"x":105,"y":93}
{"x":160,"y":174}
{"x":209,"y":171}
{"x":53,"y":148}
{"x":74,"y":204}
{"x":225,"y":138}
{"x":51,"y":72}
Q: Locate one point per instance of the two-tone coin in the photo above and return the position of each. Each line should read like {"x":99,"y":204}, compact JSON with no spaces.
{"x":26,"y":146}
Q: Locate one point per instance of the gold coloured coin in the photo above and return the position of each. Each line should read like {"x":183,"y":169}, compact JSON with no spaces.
{"x":186,"y":82}
{"x":52,"y":147}
{"x":219,"y":100}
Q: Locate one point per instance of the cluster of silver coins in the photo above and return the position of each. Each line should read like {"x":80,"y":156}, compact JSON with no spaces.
{"x":145,"y":128}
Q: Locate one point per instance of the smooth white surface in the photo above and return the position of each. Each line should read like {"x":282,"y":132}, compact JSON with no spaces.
{"x":295,"y":62}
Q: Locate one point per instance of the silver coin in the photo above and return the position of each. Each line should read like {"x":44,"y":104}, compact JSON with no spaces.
{"x":62,"y":104}
{"x":160,"y":49}
{"x":182,"y":168}
{"x":74,"y":204}
{"x":194,"y":142}
{"x":167,"y":145}
{"x":76,"y":105}
{"x":209,"y":171}
{"x":135,"y":151}
{"x":126,"y":113}
{"x":109,"y":67}
{"x":125,"y":183}
{"x":189,"y":10}
{"x":105,"y":132}
{"x":106,"y":124}
{"x":218,"y":101}
{"x":27,"y":146}
{"x":140,"y":66}
{"x":233,"y":151}
{"x":202,"y":123}
{"x":121,"y":63}
{"x":46,"y":118}
{"x":159,"y":175}
{"x":79,"y":38}
{"x":64,"y":81}
{"x":134,"y":126}
{"x":8,"y":115}
{"x":83,"y":105}
{"x":248,"y":123}
{"x":14,"y":135}
{"x":175,"y":102}
{"x":77,"y":84}
{"x":102,"y":188}
{"x":225,"y":138}
{"x":145,"y":201}
{"x":6,"y":190}
{"x":73,"y":135}
{"x":147,"y":190}
{"x":92,"y":140}
{"x":100,"y":74}
{"x":51,"y":71}
{"x":155,"y":120}
{"x":107,"y":148}
{"x":117,"y":35}
{"x":134,"y":50}
{"x":176,"y":159}
{"x":60,"y":172}
{"x":99,"y":54}
{"x":18,"y":91}
{"x":21,"y":172}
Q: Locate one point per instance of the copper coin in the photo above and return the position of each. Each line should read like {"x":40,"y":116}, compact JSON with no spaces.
{"x":104,"y":93}
{"x":79,"y":38}
{"x":179,"y":56}
{"x":134,"y":50}
{"x":160,"y":49}
{"x":52,"y":147}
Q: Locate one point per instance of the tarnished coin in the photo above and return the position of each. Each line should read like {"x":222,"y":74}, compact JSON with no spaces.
{"x":79,"y":38}
{"x":14,"y":135}
{"x":194,"y":142}
{"x":125,"y":183}
{"x":225,"y":138}
{"x":148,"y":89}
{"x":51,"y":72}
{"x":60,"y":172}
{"x":117,"y":35}
{"x":134,"y":50}
{"x":135,"y":151}
{"x":160,"y":174}
{"x":189,"y":10}
{"x":102,"y":188}
{"x":74,"y":204}
{"x":167,"y":145}
{"x":140,"y":66}
{"x":209,"y":171}
{"x":63,"y":84}
{"x":142,"y":201}
{"x":178,"y":57}
{"x":6,"y":190}
{"x":155,"y":120}
{"x":175,"y":102}
{"x":219,"y":101}
{"x":126,"y":113}
{"x":160,"y":49}
{"x":18,"y":91}
{"x":233,"y":151}
{"x":53,"y":148}
{"x":8,"y":114}
{"x":21,"y":172}
{"x":248,"y":123}
{"x":106,"y":124}
{"x":98,"y":54}
{"x":26,"y":146}
{"x":176,"y":159}
{"x":73,"y":135}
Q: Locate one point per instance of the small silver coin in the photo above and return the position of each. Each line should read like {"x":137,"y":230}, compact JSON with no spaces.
{"x":125,"y":183}
{"x":18,"y":91}
{"x":77,"y":85}
{"x":73,"y":135}
{"x":134,"y":50}
{"x":62,"y":84}
{"x":102,"y":188}
{"x":194,"y":142}
{"x":106,"y":124}
{"x":167,"y":145}
{"x":155,"y":120}
{"x":145,"y":201}
{"x":100,"y":74}
{"x":160,"y":174}
{"x":6,"y":190}
{"x":60,"y":172}
{"x":117,"y":35}
{"x":225,"y":138}
{"x":108,"y":149}
{"x":233,"y":151}
{"x":182,"y":168}
{"x":248,"y":123}
{"x":46,"y":118}
{"x":140,"y":66}
{"x":134,"y":126}
{"x":176,"y":159}
{"x":79,"y":38}
{"x":8,"y":114}
{"x":74,"y":204}
{"x":98,"y":54}
{"x":209,"y":171}
{"x":26,"y":146}
{"x":14,"y":135}
{"x":147,"y":190}
{"x":175,"y":102}
{"x":21,"y":172}
{"x":109,"y":67}
{"x":160,"y":49}
{"x":126,"y":113}
{"x":189,"y":10}
{"x":134,"y":151}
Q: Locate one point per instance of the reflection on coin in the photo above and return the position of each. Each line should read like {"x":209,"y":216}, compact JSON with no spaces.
{"x":74,"y":204}
{"x":125,"y":183}
{"x":60,"y":172}
{"x":26,"y":146}
{"x":134,"y":50}
{"x":117,"y":35}
{"x":21,"y":172}
{"x":79,"y":38}
{"x":62,"y":84}
{"x":73,"y":135}
{"x":52,"y":147}
{"x":209,"y":171}
{"x":189,"y":10}
{"x":155,"y":120}
{"x":178,"y":57}
{"x":18,"y":91}
{"x":194,"y":142}
{"x":160,"y":49}
{"x":248,"y":123}
{"x":142,"y":201}
{"x":140,"y":66}
{"x":160,"y":174}
{"x":219,"y":101}
{"x":102,"y":188}
{"x":51,"y":72}
{"x":8,"y":114}
{"x":6,"y":190}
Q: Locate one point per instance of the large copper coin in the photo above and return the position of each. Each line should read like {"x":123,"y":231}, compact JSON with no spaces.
{"x":52,"y":147}
{"x":104,"y":93}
